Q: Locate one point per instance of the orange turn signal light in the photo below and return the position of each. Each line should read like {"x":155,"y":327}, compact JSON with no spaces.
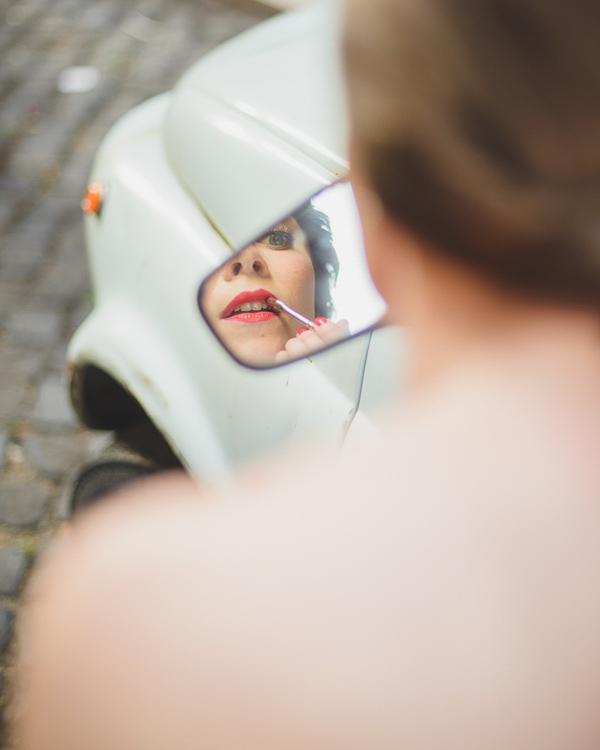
{"x":92,"y":200}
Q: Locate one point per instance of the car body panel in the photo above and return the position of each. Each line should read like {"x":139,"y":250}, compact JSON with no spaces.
{"x":154,"y":242}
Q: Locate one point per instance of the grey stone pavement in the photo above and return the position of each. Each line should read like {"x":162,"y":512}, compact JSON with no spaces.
{"x":47,"y":141}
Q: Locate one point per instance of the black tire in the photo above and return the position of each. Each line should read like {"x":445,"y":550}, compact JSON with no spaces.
{"x":136,"y":453}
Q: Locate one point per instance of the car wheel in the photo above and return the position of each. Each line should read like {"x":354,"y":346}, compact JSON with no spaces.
{"x":137,"y":452}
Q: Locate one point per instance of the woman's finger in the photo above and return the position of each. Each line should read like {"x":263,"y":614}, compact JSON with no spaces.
{"x":304,"y":343}
{"x":309,"y":341}
{"x":329,"y":332}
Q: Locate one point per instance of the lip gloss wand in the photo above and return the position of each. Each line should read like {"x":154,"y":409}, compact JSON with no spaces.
{"x":279,"y":305}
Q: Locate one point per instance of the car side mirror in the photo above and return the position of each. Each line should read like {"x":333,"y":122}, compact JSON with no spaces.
{"x":300,"y":287}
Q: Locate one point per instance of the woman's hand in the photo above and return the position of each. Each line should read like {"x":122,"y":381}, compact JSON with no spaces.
{"x":307,"y":342}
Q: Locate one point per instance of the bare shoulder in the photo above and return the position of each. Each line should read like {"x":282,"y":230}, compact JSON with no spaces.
{"x":162,"y":600}
{"x":308,"y":602}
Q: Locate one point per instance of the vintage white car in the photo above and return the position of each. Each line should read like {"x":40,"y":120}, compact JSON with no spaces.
{"x":179,"y":185}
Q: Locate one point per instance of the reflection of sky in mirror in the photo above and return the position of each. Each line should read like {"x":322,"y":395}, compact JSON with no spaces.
{"x":355,"y":297}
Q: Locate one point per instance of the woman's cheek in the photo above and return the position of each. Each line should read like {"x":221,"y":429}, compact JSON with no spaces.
{"x":210,"y":301}
{"x":300,"y":283}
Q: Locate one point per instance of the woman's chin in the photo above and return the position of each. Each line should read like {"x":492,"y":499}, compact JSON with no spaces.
{"x":260,"y":352}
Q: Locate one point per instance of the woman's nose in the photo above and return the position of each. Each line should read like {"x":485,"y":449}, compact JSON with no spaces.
{"x":249,"y":262}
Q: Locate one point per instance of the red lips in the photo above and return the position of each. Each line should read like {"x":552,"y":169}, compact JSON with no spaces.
{"x":256,"y":295}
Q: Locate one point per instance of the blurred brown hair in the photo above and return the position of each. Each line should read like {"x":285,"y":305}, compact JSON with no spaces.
{"x":478,"y":125}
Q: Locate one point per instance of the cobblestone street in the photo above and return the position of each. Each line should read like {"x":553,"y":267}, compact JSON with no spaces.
{"x":49,"y":132}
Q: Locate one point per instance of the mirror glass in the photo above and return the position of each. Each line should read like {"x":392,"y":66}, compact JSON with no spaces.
{"x":303,"y":285}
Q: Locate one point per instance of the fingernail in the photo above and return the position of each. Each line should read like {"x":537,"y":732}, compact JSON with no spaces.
{"x":319,"y":321}
{"x":301,"y":330}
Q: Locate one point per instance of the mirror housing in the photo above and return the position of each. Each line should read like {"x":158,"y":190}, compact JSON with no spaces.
{"x":300,"y":287}
{"x":250,"y":150}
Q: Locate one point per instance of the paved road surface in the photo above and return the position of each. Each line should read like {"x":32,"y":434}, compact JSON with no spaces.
{"x":47,"y":140}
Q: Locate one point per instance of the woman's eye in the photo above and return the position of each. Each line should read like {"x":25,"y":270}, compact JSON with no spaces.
{"x":278,"y":239}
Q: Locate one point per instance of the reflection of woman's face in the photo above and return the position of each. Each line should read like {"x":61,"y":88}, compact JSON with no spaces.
{"x":233,"y":299}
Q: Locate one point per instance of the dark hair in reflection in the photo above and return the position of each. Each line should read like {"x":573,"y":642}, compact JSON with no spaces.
{"x":315,"y":225}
